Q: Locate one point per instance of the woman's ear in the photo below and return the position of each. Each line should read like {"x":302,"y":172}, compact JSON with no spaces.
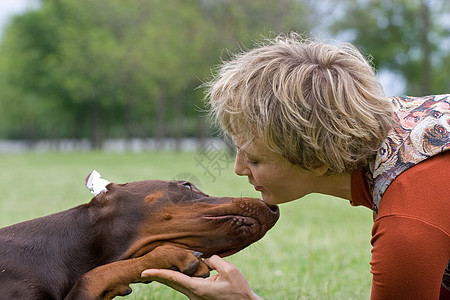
{"x":320,"y":171}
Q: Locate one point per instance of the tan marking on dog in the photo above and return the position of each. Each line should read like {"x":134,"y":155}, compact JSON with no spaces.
{"x":153,"y":196}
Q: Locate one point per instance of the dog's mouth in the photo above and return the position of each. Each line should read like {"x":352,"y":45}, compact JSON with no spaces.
{"x":228,"y":234}
{"x":241,"y":231}
{"x":237,"y":220}
{"x":250,"y":222}
{"x":242,"y":225}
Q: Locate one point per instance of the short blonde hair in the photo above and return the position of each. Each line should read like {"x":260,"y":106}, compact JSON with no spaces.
{"x":314,"y":103}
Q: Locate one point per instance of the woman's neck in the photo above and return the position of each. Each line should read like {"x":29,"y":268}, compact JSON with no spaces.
{"x":338,"y":185}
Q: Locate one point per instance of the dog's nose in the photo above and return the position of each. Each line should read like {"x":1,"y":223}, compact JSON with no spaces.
{"x":274,"y":208}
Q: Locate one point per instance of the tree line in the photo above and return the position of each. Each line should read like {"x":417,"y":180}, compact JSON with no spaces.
{"x":101,"y":69}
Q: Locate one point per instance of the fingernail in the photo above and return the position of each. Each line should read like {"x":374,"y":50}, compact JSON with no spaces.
{"x":197,"y":254}
{"x":192,"y":268}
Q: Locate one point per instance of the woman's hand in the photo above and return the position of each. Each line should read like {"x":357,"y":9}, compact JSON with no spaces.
{"x":229,"y":283}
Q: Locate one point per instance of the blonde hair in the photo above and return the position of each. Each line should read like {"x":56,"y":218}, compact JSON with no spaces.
{"x":314,"y":103}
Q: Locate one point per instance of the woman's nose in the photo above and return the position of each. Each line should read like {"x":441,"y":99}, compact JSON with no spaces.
{"x":240,"y":165}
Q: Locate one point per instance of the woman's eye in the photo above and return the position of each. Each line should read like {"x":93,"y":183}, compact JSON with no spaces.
{"x":253,"y":162}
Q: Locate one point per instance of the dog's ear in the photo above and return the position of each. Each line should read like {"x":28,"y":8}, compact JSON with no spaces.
{"x":95,"y":183}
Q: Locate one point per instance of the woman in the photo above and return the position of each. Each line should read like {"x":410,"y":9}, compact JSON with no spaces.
{"x":307,"y":117}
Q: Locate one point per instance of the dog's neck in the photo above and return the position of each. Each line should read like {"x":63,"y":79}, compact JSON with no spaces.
{"x":112,"y":228}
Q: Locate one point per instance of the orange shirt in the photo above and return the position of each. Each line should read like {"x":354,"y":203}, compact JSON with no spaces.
{"x":411,"y":234}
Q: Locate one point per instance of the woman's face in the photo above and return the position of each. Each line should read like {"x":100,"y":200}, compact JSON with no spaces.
{"x":274,"y":176}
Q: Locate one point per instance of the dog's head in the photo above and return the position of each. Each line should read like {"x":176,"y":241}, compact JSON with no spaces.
{"x":178,"y":213}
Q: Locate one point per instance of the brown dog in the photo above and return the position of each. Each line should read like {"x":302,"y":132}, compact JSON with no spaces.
{"x":94,"y":251}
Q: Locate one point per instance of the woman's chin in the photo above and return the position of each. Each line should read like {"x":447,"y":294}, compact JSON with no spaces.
{"x":273,"y":200}
{"x":268,"y":199}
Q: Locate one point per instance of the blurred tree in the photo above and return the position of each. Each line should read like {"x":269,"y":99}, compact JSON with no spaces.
{"x":110,"y":68}
{"x":26,"y":113}
{"x":410,"y":38}
{"x":239,"y":23}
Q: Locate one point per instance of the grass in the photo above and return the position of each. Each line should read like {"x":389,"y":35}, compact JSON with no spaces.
{"x":319,"y":249}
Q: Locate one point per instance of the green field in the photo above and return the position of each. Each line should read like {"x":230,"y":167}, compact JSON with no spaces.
{"x":319,"y":249}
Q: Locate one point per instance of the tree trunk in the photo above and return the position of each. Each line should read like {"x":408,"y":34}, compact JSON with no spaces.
{"x":95,"y":132}
{"x":160,"y":119}
{"x":426,"y":50}
{"x":178,"y":114}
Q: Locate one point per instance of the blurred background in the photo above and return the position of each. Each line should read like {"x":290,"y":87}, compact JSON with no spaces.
{"x":96,"y":74}
{"x":125,"y":77}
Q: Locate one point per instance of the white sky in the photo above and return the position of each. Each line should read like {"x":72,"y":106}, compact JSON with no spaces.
{"x":9,"y":8}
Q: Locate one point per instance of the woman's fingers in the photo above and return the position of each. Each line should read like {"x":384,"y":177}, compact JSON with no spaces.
{"x":229,"y":283}
{"x":220,"y":265}
{"x":174,"y":279}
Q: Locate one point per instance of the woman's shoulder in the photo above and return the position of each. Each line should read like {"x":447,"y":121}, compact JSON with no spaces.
{"x":421,"y":130}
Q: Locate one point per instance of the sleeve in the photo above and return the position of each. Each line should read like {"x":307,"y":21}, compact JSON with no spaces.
{"x":411,"y":235}
{"x":408,"y":259}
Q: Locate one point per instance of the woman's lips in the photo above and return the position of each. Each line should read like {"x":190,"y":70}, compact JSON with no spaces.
{"x":258,"y":188}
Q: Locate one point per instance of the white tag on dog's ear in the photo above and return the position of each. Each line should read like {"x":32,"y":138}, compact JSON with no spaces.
{"x":95,"y":183}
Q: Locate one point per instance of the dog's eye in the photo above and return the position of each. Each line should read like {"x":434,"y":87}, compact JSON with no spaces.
{"x":188,"y":185}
